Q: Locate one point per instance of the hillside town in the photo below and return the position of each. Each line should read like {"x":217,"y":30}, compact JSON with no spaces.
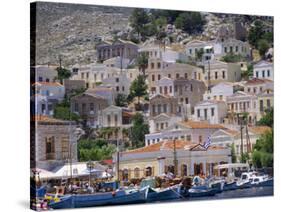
{"x":178,"y":102}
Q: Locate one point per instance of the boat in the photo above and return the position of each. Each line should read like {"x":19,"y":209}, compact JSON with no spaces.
{"x":201,"y":191}
{"x":246,"y":180}
{"x":216,"y":184}
{"x":159,"y":194}
{"x":229,"y":186}
{"x":100,"y":199}
{"x":262,"y":181}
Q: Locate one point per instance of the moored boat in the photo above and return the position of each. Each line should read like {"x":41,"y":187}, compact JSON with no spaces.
{"x":100,"y":199}
{"x":169,"y":193}
{"x":201,"y":191}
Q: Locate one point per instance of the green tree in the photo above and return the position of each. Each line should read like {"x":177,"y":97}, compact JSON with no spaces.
{"x":263,"y":46}
{"x":267,"y":119}
{"x":121,"y":100}
{"x":138,"y":20}
{"x":142,"y":62}
{"x":138,"y":88}
{"x":233,"y":155}
{"x":99,"y":149}
{"x":232,"y":58}
{"x":199,"y":54}
{"x":138,"y":131}
{"x":191,"y":22}
{"x":63,"y":74}
{"x":263,"y":151}
{"x":255,"y":33}
{"x":64,"y":113}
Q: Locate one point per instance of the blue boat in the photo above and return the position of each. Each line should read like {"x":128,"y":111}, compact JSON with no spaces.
{"x":230,"y":186}
{"x":268,"y":182}
{"x":201,"y":191}
{"x":169,"y":193}
{"x":101,"y":199}
{"x":39,"y":192}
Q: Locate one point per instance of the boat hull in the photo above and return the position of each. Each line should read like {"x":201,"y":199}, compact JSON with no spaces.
{"x":167,"y":194}
{"x":201,"y":191}
{"x":90,"y":200}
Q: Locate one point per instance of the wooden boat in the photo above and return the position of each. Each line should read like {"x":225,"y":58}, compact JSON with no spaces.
{"x":101,"y":199}
{"x":169,"y":193}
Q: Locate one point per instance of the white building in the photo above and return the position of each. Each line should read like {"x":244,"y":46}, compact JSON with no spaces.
{"x":44,"y":73}
{"x":52,"y":90}
{"x":120,"y":83}
{"x":219,"y":91}
{"x":210,"y":110}
{"x":263,"y":70}
{"x":117,"y":62}
{"x":194,"y":131}
{"x":162,"y":121}
{"x":256,"y":86}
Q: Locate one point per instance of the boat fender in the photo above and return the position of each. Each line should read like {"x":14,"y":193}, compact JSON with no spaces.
{"x":113,"y":193}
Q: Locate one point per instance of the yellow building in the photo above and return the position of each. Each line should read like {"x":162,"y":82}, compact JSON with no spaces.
{"x":156,"y":159}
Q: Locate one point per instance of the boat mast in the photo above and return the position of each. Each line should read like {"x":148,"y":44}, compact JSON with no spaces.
{"x":175,"y":158}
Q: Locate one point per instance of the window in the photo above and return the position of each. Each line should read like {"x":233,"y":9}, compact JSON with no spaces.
{"x":148,"y":171}
{"x":212,"y":111}
{"x":263,"y":73}
{"x":216,"y":75}
{"x":186,"y":101}
{"x":190,"y":51}
{"x":82,"y":75}
{"x":87,"y":75}
{"x":116,"y":119}
{"x":50,"y":148}
{"x":177,"y":75}
{"x":198,"y":113}
{"x":65,"y":146}
{"x":268,"y":103}
{"x":223,"y":74}
{"x":236,"y":49}
{"x":117,"y":88}
{"x":158,"y":65}
{"x":191,"y":87}
{"x":123,"y":88}
{"x":165,"y":108}
{"x":47,"y":80}
{"x":205,"y":114}
{"x":152,"y":65}
{"x":185,"y":76}
{"x":268,"y":73}
{"x":159,"y":76}
{"x":225,"y":49}
{"x":255,"y":90}
{"x":92,"y":107}
{"x":76,"y":106}
{"x":160,"y":89}
{"x":137,"y":172}
{"x":171,"y":89}
{"x":153,"y":78}
{"x":257,"y":74}
{"x":221,"y":97}
{"x":162,"y":126}
{"x":261,"y":106}
{"x":108,"y":119}
{"x":169,"y":75}
{"x":249,"y":90}
{"x":117,"y":79}
{"x":260,"y":89}
{"x":231,"y":49}
{"x":40,"y":79}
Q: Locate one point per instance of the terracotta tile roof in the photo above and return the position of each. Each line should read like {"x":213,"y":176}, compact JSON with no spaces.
{"x":43,"y":118}
{"x":169,"y":145}
{"x":256,"y":81}
{"x":201,"y":125}
{"x":259,"y":129}
{"x":47,"y":83}
{"x":232,"y":132}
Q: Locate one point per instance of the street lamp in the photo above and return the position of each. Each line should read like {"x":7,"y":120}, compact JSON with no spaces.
{"x":90,"y":166}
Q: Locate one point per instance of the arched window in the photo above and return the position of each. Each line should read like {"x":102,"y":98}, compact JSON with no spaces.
{"x":148,"y":171}
{"x":136,"y":172}
{"x":125,"y":175}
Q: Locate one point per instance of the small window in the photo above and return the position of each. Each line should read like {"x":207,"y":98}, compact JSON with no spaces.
{"x":212,"y":111}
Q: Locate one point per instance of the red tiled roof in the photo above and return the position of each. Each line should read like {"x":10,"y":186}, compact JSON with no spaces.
{"x":168,"y":145}
{"x":47,"y":83}
{"x":257,"y":81}
{"x":201,"y":125}
{"x":260,"y":129}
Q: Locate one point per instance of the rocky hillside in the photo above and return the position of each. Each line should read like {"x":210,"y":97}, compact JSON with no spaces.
{"x":72,"y":30}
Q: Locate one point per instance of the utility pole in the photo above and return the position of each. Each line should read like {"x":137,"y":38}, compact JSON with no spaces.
{"x":117,"y":160}
{"x":240,"y":118}
{"x":209,"y":75}
{"x":175,"y":158}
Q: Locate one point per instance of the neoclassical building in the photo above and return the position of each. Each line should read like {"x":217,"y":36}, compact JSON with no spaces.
{"x":55,"y":142}
{"x":156,"y":159}
{"x":121,"y":48}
